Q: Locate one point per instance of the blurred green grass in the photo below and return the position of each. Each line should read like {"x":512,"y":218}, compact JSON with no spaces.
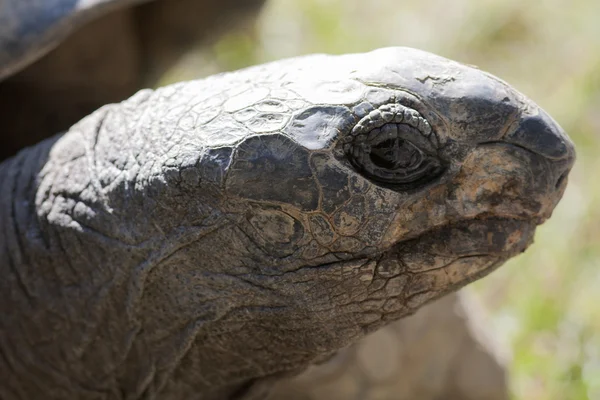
{"x":545,"y":304}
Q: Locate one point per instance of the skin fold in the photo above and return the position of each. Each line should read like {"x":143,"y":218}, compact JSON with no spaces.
{"x":209,"y":238}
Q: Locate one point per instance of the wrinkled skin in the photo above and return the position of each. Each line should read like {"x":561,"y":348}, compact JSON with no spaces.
{"x":112,"y":286}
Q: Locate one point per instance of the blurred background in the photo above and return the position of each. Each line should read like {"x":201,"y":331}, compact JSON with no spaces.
{"x":545,"y":304}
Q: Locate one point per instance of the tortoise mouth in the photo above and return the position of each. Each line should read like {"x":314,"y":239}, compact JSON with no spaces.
{"x":448,"y":257}
{"x":491,"y":236}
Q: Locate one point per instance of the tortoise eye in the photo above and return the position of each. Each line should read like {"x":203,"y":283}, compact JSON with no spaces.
{"x":394,"y":150}
{"x":396,"y":154}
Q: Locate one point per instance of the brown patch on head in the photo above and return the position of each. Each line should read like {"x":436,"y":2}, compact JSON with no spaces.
{"x":501,"y":180}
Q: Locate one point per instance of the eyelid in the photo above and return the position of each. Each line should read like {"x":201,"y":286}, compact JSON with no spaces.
{"x":392,"y":113}
{"x":416,"y":132}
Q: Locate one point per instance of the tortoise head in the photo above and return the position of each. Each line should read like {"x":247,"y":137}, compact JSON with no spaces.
{"x":404,"y":176}
{"x":271,"y":216}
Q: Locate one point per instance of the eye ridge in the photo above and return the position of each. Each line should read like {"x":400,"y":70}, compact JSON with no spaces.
{"x":392,"y":113}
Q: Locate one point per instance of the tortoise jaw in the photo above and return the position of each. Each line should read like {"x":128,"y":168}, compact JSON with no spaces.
{"x":448,"y":257}
{"x":483,"y":236}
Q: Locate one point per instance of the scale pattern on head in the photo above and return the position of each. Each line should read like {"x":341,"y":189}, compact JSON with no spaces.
{"x":304,"y":203}
{"x":428,"y":172}
{"x":349,"y":156}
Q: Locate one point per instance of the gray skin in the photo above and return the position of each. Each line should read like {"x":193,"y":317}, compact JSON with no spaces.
{"x":348,"y":191}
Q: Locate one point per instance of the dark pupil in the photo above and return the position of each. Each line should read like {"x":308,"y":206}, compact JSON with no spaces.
{"x":395,"y":154}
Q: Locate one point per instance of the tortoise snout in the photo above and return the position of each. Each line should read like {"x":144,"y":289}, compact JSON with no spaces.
{"x":540,"y":134}
{"x":522,"y":176}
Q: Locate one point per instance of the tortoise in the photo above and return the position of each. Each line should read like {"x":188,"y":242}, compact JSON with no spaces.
{"x":115,"y":50}
{"x":216,"y":238}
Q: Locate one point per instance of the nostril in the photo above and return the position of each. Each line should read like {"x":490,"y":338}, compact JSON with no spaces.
{"x":542,"y":135}
{"x":561,"y":179}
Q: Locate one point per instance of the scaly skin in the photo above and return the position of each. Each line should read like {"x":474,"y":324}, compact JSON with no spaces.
{"x":209,"y":238}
